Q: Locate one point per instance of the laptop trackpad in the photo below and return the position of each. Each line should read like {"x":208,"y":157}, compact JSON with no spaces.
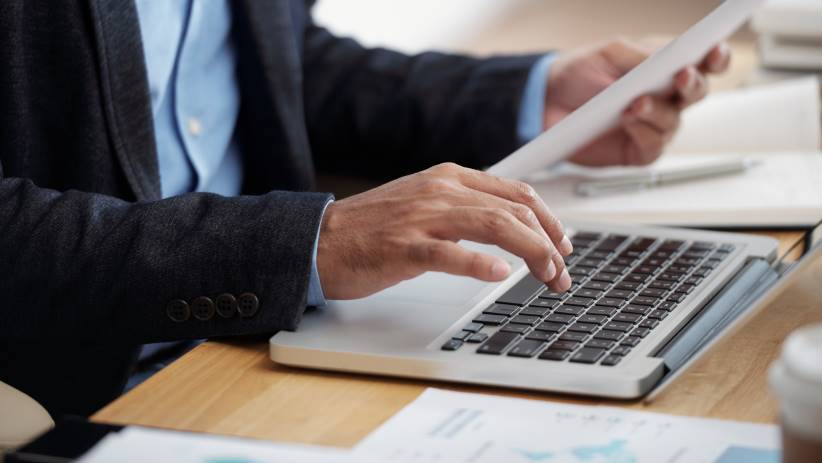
{"x":435,"y":288}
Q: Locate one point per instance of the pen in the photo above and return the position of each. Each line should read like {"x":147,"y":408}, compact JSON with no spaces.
{"x":652,"y":179}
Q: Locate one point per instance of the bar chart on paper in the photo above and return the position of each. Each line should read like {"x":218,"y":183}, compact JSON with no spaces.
{"x":443,"y":426}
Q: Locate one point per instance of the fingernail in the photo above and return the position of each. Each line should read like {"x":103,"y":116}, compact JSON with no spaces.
{"x":690,"y":79}
{"x":565,"y":246}
{"x":565,"y":281}
{"x":646,"y":106}
{"x":500,"y":270}
{"x":551,"y":272}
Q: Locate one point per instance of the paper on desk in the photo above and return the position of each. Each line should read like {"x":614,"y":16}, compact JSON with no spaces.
{"x":444,"y":426}
{"x":782,"y":116}
{"x":140,"y":445}
{"x":603,"y":111}
{"x":784,"y":190}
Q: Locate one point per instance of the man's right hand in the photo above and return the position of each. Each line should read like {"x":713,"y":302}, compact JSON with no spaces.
{"x":404,"y":228}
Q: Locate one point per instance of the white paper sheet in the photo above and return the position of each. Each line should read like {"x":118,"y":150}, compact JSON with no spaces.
{"x":784,"y":190}
{"x":603,"y":111}
{"x":782,"y":116}
{"x":444,"y":426}
{"x":141,"y":445}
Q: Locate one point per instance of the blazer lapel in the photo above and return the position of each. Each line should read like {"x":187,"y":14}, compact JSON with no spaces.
{"x":272,"y":32}
{"x":126,"y":100}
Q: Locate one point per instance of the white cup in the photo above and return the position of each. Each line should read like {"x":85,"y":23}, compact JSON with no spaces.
{"x":797,"y":379}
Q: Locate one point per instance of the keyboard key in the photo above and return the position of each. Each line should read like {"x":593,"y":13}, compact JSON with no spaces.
{"x":637,"y":309}
{"x":686,"y":261}
{"x":606,"y":277}
{"x":526,"y":348}
{"x":627,"y":317}
{"x":547,"y":303}
{"x":489,"y":319}
{"x":523,"y":291}
{"x":564,"y":345}
{"x":535,"y":311}
{"x":570,"y":309}
{"x":573,"y":336}
{"x":581,"y":271}
{"x":645,"y":300}
{"x":612,"y":242}
{"x":643,"y":243}
{"x":559,"y":318}
{"x":636,"y":278}
{"x":601,"y":310}
{"x":653,"y":262}
{"x":501,"y":309}
{"x":621,"y":350}
{"x":526,"y":319}
{"x":678,"y":269}
{"x":646,"y":270}
{"x":609,"y":335}
{"x":695,"y":254}
{"x":619,"y":294}
{"x":668,"y":276}
{"x":461,"y":335}
{"x":600,"y":344}
{"x":727,"y":247}
{"x":658,"y":314}
{"x":557,"y":355}
{"x":543,"y":336}
{"x":549,"y":326}
{"x":587,"y":355}
{"x":694,"y":280}
{"x":611,"y":302}
{"x":653,"y":292}
{"x":591,"y":262}
{"x":473,"y":327}
{"x":671,"y":245}
{"x":649,"y":323}
{"x":584,"y":235}
{"x":677,"y":297}
{"x":551,"y":296}
{"x":597,"y":285}
{"x":595,"y":319}
{"x":640,"y":332}
{"x":515,"y":328}
{"x":631,"y":341}
{"x":620,"y":269}
{"x":628,"y":285}
{"x":611,"y":360}
{"x":702,"y":272}
{"x":592,"y":293}
{"x":580,"y":301}
{"x":497,"y":343}
{"x":583,"y":327}
{"x":477,"y":337}
{"x":666,"y":305}
{"x":618,"y":326}
{"x":661,"y":284}
{"x":711,"y":264}
{"x":452,"y":344}
{"x":684,"y":288}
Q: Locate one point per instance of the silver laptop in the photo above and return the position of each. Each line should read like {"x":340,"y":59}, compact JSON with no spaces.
{"x":645,"y":303}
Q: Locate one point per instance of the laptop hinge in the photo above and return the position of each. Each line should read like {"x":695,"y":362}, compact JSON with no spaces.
{"x":736,"y":297}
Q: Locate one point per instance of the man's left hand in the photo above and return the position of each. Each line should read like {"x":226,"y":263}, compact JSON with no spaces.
{"x":650,"y":121}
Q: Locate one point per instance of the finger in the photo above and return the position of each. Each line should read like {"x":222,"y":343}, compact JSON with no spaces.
{"x":691,"y":86}
{"x":523,"y":213}
{"x":448,"y":257}
{"x":717,"y":60}
{"x":657,"y":111}
{"x":624,"y":55}
{"x":498,"y":227}
{"x":522,"y":193}
{"x":646,"y":143}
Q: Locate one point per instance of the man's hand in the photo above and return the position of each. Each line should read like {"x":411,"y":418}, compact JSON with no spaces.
{"x":651,"y":120}
{"x":404,"y":228}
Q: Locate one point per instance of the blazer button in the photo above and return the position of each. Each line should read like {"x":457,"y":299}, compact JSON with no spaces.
{"x":202,"y":308}
{"x":247,"y":304}
{"x":226,"y":305}
{"x":178,"y":310}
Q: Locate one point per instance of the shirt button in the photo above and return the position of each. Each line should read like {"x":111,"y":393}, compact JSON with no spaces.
{"x":195,"y":127}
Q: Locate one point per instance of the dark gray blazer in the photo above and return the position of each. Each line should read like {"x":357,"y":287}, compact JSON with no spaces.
{"x":91,"y":258}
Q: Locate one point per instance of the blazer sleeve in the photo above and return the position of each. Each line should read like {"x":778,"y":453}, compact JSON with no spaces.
{"x":381,"y":113}
{"x":90,"y":267}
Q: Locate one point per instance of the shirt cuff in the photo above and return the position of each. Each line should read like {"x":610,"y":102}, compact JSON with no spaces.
{"x":532,"y":108}
{"x":316,"y":297}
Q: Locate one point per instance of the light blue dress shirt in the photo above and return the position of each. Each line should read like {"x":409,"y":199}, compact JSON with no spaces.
{"x":195,"y":98}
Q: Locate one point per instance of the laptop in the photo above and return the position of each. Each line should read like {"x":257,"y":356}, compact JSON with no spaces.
{"x":645,"y":303}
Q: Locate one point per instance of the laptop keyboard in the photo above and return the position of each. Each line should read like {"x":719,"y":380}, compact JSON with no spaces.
{"x":622,"y":288}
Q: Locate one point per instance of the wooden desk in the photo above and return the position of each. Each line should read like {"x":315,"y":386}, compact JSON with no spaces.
{"x":233,"y":388}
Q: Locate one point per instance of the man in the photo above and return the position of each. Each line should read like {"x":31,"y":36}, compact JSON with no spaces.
{"x":156,"y":160}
